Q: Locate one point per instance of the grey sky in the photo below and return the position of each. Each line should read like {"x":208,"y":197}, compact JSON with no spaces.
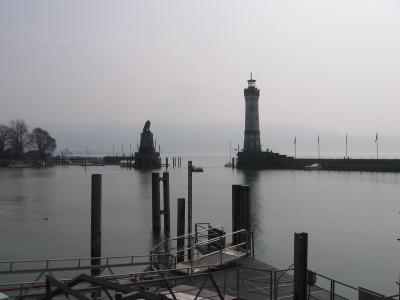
{"x":332,"y":65}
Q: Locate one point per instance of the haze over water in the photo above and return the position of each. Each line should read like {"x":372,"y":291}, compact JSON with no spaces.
{"x":351,"y":217}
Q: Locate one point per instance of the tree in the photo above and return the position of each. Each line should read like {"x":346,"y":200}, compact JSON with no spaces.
{"x":43,"y":142}
{"x":65,"y":153}
{"x":19,"y":137}
{"x":4,"y":132}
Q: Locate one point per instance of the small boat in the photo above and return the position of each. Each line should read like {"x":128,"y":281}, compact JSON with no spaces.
{"x":196,"y":169}
{"x":20,"y":166}
{"x":313,"y":167}
{"x":229,"y":163}
{"x":99,"y":163}
{"x":125,"y":164}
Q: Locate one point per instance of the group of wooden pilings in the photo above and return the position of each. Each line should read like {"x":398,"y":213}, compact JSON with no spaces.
{"x":176,"y":162}
{"x":241,"y":206}
{"x":241,"y":219}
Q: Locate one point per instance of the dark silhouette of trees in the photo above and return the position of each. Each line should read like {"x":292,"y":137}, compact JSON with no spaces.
{"x":65,"y":153}
{"x":15,"y":140}
{"x":19,"y":137}
{"x":42,"y":141}
{"x":3,"y":137}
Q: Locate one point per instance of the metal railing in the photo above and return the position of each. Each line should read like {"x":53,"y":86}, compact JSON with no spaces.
{"x":35,"y":270}
{"x":342,"y":290}
{"x":200,"y":244}
{"x":239,"y":282}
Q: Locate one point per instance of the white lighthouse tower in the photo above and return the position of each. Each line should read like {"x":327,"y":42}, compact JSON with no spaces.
{"x":252,"y":141}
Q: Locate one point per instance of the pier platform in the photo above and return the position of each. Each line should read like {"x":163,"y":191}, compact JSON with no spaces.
{"x":243,"y":278}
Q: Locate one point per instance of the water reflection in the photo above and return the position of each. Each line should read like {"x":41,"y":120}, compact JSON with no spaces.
{"x":158,"y":236}
{"x":252,"y":179}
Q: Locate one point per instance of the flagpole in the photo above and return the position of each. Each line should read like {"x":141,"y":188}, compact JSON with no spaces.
{"x":346,"y":146}
{"x":376,"y":141}
{"x":319,"y":153}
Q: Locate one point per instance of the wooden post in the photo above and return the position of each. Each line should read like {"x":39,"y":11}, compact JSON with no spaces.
{"x":166,"y":162}
{"x":241,"y":213}
{"x":48,"y":290}
{"x":96,"y":223}
{"x":189,"y":208}
{"x":233,"y":162}
{"x":300,"y":266}
{"x":166,"y":210}
{"x":180,"y":229}
{"x":155,"y":184}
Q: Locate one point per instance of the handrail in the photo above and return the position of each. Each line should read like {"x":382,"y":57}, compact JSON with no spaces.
{"x":185,"y":236}
{"x":79,"y":263}
{"x":334,"y":282}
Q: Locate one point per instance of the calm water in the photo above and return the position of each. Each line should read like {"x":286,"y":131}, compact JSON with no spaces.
{"x":352,"y":218}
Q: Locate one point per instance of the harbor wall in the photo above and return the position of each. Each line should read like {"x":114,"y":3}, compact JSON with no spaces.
{"x":271,"y":160}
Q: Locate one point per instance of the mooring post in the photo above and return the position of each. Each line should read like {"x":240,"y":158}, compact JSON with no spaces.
{"x":180,"y":229}
{"x":96,"y":223}
{"x":300,"y":266}
{"x":241,"y":213}
{"x":190,"y":208}
{"x":166,"y":162}
{"x":233,"y":162}
{"x":155,"y":196}
{"x":166,"y":210}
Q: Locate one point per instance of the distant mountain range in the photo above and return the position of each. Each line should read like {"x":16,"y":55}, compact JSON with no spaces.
{"x":187,"y":138}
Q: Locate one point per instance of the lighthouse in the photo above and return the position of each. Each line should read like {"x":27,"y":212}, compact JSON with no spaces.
{"x":252,"y":141}
{"x":251,"y":156}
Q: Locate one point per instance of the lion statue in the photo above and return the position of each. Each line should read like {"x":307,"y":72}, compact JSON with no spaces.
{"x":146,"y":127}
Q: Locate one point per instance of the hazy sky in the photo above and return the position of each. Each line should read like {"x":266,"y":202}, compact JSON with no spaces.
{"x":331,"y":65}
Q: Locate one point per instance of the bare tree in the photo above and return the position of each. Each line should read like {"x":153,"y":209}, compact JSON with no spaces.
{"x":65,"y":153}
{"x":19,"y":137}
{"x":4,"y":132}
{"x":43,"y":142}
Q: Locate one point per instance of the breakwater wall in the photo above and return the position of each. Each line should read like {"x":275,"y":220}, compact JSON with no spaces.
{"x":367,"y":165}
{"x":271,"y":160}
